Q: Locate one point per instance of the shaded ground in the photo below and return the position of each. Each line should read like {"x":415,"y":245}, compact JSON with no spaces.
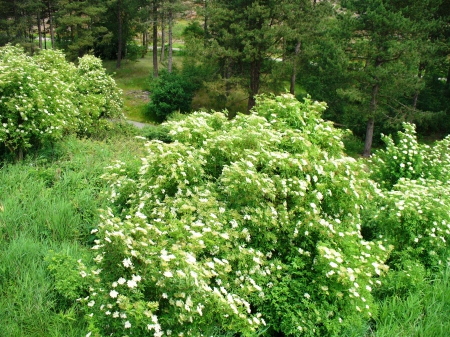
{"x":138,"y":124}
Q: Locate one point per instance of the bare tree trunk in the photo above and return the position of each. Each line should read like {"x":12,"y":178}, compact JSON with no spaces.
{"x":52,"y":31}
{"x":163,"y":38}
{"x":294,"y":68}
{"x":448,"y":79}
{"x":45,"y":33}
{"x":39,"y":28}
{"x":144,"y":42}
{"x":255,"y":74}
{"x":169,"y":65}
{"x":119,"y":33}
{"x":227,"y":75}
{"x":371,"y":122}
{"x":155,"y":39}
{"x":416,"y":94}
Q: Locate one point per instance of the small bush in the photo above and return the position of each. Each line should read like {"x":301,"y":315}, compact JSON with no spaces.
{"x":44,"y":98}
{"x":409,"y":159}
{"x":154,"y":132}
{"x":170,"y":92}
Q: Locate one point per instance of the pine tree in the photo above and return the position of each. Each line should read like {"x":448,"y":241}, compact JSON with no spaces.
{"x":245,"y":35}
{"x":382,"y":56}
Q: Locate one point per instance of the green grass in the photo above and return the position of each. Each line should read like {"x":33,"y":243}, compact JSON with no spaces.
{"x":50,"y":201}
{"x":133,"y":78}
{"x":423,"y":313}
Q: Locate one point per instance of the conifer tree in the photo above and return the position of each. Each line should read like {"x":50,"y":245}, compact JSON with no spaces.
{"x":382,"y":55}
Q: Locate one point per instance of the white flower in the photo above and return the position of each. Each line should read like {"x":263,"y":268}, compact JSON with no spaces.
{"x":127,"y":325}
{"x":91,"y":303}
{"x":131,"y":283}
{"x":121,"y":280}
{"x":127,"y":263}
{"x":168,"y":274}
{"x":308,"y":296}
{"x":136,"y":278}
{"x":113,"y":293}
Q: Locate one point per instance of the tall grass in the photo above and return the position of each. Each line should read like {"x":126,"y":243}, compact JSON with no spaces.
{"x":423,"y":313}
{"x":50,"y":202}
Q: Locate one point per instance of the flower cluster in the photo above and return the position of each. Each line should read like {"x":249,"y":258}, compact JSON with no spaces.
{"x":410,"y":160}
{"x":412,"y":212}
{"x":414,"y":218}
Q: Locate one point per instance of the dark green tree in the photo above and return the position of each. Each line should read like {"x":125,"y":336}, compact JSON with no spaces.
{"x":170,"y":92}
{"x":246,"y":34}
{"x":79,"y":26}
{"x":382,"y":60}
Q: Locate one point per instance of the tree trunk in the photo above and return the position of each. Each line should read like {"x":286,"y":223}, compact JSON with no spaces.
{"x":119,"y":33}
{"x":144,"y":43}
{"x":155,"y":39}
{"x":205,"y":24}
{"x":371,"y":122}
{"x":448,"y":79}
{"x":416,"y":94}
{"x":163,"y":38}
{"x":228,"y":71}
{"x":45,"y":33}
{"x":255,"y":74}
{"x":169,"y":65}
{"x":52,"y":32}
{"x":39,"y":28}
{"x":294,"y":68}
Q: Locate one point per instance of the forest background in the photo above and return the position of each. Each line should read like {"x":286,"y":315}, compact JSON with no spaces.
{"x":377,"y":64}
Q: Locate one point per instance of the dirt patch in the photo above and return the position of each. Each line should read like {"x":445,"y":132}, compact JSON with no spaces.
{"x":138,"y":94}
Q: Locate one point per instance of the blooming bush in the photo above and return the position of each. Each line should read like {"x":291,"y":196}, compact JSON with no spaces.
{"x":247,"y":226}
{"x":44,"y":97}
{"x":409,"y":159}
{"x":412,"y":212}
{"x":414,"y":217}
{"x":35,"y":106}
{"x":97,"y":95}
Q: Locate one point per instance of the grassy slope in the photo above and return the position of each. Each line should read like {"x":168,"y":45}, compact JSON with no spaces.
{"x":49,"y":202}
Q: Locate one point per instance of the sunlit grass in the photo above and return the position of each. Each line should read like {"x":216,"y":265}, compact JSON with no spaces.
{"x":50,"y":201}
{"x":425,"y":312}
{"x":133,"y":78}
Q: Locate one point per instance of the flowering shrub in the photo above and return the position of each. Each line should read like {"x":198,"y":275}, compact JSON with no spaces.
{"x":97,"y":95}
{"x":35,"y":106}
{"x":409,"y":159}
{"x":247,"y":226}
{"x":412,"y":212}
{"x":44,"y":97}
{"x":414,"y":217}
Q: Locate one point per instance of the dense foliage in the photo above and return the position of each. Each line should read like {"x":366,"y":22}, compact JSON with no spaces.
{"x":412,"y":212}
{"x":256,"y":225}
{"x":44,"y":97}
{"x":247,"y":226}
{"x":376,"y":63}
{"x":170,"y":92}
